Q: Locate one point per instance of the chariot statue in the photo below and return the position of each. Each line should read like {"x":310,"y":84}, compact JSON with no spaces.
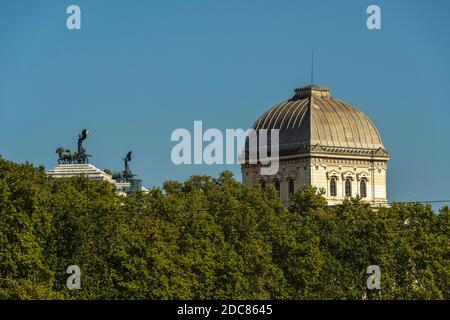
{"x":80,"y":157}
{"x":126,"y":175}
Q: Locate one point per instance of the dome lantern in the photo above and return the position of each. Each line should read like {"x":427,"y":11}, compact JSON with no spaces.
{"x":311,"y":91}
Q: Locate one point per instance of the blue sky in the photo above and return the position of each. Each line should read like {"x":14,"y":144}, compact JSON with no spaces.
{"x":137,"y":70}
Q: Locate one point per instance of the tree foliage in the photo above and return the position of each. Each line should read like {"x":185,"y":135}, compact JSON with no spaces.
{"x":210,"y":238}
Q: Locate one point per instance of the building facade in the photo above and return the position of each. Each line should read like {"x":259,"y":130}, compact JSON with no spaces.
{"x":323,"y":142}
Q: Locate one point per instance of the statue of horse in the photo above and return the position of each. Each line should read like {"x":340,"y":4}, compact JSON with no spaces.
{"x":117,"y":176}
{"x":65,"y":156}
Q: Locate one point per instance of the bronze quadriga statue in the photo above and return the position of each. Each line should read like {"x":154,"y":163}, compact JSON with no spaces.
{"x":80,"y":157}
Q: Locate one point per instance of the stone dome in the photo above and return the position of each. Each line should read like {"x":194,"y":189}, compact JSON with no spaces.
{"x":313,"y":117}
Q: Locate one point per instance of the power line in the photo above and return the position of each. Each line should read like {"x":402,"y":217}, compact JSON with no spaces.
{"x":424,"y":201}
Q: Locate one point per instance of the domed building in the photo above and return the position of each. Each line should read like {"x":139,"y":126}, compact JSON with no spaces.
{"x":323,"y":142}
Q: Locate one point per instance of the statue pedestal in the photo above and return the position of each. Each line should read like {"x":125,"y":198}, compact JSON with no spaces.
{"x":72,"y":170}
{"x":122,"y":187}
{"x":93,"y":173}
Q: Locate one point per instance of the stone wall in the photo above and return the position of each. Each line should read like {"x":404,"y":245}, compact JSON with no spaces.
{"x":318,"y":171}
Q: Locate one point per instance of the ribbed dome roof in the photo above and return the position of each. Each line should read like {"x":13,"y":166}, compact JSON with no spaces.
{"x":313,"y":117}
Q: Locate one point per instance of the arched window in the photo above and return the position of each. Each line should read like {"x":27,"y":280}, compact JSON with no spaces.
{"x":291,"y":186}
{"x":363,"y":188}
{"x":333,"y":189}
{"x":348,"y":187}
{"x":277,"y":186}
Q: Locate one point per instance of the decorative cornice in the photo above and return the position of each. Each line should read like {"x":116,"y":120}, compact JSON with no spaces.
{"x":305,"y":150}
{"x":321,"y":154}
{"x":311,"y":161}
{"x":317,"y":148}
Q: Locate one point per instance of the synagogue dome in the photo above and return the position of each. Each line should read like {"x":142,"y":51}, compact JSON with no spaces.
{"x":313,"y":117}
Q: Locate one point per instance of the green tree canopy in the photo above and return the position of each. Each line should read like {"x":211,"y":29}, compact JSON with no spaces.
{"x":211,"y":238}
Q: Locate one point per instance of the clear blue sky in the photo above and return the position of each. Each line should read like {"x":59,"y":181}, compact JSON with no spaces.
{"x":140,"y":69}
